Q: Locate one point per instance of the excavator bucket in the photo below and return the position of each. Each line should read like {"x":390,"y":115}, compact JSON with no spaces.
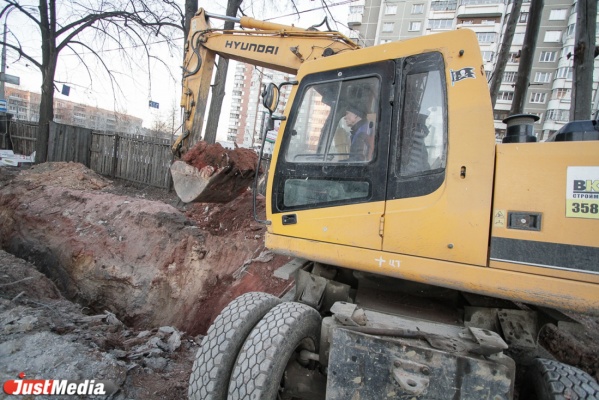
{"x":213,"y":174}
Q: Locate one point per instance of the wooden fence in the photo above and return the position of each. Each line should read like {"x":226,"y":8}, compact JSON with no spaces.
{"x":22,"y":137}
{"x":136,"y":158}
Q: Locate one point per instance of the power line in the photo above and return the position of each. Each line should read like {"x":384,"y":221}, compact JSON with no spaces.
{"x":311,"y":9}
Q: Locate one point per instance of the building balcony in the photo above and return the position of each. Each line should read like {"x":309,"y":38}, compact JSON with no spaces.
{"x":354,"y":19}
{"x":478,"y":28}
{"x":481,"y":10}
{"x":434,"y":14}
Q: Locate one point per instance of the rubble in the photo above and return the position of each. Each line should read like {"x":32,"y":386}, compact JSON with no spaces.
{"x":48,"y":337}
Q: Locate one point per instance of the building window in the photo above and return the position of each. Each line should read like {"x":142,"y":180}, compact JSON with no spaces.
{"x":558,"y":115}
{"x":553,"y":36}
{"x":547,"y":56}
{"x":391,"y":9}
{"x":506,"y":96}
{"x":444,"y":5}
{"x":567,"y":51}
{"x":388,"y":26}
{"x":562,"y":94}
{"x":514,"y":57}
{"x":571,"y":30}
{"x":486,"y":37}
{"x":523,"y":18}
{"x":415,"y":26}
{"x":417,"y":8}
{"x":356,"y":9}
{"x":440,"y":23}
{"x":564,"y":73}
{"x":559,"y":14}
{"x":477,"y":2}
{"x":500,"y":115}
{"x":539,"y":98}
{"x":509,"y":76}
{"x":543,"y":77}
{"x":487,"y":55}
{"x":518,"y":39}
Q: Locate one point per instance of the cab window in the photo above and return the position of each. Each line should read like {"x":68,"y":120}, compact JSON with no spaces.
{"x":336,"y":123}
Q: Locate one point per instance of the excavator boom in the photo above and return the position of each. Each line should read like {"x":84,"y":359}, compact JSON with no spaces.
{"x":265,"y":44}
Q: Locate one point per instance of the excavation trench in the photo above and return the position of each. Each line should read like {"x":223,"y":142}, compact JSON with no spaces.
{"x":152,"y":263}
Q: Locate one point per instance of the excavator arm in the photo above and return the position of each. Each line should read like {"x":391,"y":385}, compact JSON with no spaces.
{"x":265,"y":44}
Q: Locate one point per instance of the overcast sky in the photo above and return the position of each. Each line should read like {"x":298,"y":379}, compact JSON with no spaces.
{"x":163,"y":85}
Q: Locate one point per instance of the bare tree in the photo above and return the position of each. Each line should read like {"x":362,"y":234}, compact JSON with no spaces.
{"x":191,"y":6}
{"x":526,"y":56}
{"x":504,"y":52}
{"x":88,"y":27}
{"x":218,"y":89}
{"x":584,"y":57}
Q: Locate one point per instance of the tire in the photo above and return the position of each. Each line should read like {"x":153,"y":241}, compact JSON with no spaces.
{"x":278,"y":337}
{"x":216,"y":357}
{"x":552,"y":380}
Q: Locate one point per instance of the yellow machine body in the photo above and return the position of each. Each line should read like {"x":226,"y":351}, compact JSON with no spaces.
{"x":494,"y":219}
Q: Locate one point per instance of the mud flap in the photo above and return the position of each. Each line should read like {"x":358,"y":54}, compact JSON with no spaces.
{"x":367,"y":367}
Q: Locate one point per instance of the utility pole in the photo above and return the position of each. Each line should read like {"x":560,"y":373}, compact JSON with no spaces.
{"x":527,"y":55}
{"x":584,"y":57}
{"x":3,"y":66}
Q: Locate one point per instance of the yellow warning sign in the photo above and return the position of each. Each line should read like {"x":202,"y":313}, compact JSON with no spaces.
{"x":499,"y":218}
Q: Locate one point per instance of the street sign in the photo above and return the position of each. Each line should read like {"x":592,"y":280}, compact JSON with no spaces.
{"x":3,"y":106}
{"x":154,"y":104}
{"x":15,"y":80}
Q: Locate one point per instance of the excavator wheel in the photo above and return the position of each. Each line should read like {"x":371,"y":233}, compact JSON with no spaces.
{"x":214,"y":361}
{"x":552,"y":380}
{"x":271,"y":348}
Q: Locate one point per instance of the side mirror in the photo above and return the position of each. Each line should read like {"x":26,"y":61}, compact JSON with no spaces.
{"x":270,"y":97}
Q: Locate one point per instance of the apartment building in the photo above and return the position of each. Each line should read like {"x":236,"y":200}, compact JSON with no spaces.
{"x":549,"y":94}
{"x":24,"y":106}
{"x":247,"y":115}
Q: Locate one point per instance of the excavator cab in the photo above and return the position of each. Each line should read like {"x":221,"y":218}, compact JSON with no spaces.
{"x":331,"y":178}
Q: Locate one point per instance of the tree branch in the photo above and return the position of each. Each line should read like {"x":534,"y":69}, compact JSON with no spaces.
{"x":19,"y":50}
{"x":22,"y":9}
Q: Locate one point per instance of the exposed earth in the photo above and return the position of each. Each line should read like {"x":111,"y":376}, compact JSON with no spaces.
{"x":133,"y":277}
{"x":104,"y":279}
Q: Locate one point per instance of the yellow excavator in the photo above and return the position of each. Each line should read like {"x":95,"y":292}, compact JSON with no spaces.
{"x":427,"y":257}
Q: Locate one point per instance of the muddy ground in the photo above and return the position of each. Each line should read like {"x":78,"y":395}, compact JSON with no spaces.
{"x":112,"y":280}
{"x":116,"y":281}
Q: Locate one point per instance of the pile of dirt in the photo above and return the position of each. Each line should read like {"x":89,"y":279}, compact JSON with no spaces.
{"x":123,"y":281}
{"x":241,"y":161}
{"x":68,"y":175}
{"x":145,"y":261}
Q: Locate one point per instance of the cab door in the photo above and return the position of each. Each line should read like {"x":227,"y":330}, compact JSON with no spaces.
{"x":327,"y":186}
{"x":440,"y":176}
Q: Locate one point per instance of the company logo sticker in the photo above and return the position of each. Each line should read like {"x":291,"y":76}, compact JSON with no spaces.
{"x":582,"y":192}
